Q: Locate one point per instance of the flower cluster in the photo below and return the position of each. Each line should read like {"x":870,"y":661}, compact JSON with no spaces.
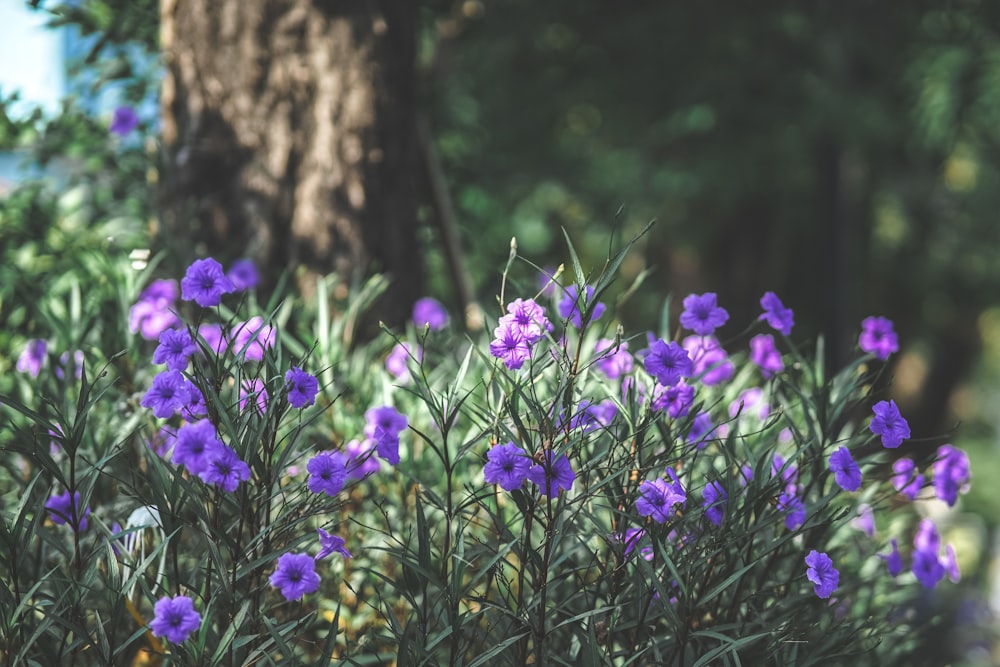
{"x":518,"y":331}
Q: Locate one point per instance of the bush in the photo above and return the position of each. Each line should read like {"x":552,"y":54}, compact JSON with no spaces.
{"x":261,"y":494}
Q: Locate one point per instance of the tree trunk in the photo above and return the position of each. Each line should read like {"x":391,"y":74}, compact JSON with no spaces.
{"x":289,"y":131}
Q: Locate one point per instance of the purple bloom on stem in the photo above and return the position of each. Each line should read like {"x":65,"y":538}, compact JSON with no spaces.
{"x":764,"y":353}
{"x":571,"y":307}
{"x":253,"y":389}
{"x":123,"y":121}
{"x":927,"y":567}
{"x":168,"y":394}
{"x":327,"y":473}
{"x":658,"y":497}
{"x":383,"y":425}
{"x":893,"y":561}
{"x":711,"y":364}
{"x":676,"y":399}
{"x":153,"y":312}
{"x":175,"y":618}
{"x":205,"y":283}
{"x":926,"y":538}
{"x":397,"y":363}
{"x":507,"y":466}
{"x":32,"y":357}
{"x":174,"y":349}
{"x":780,"y":318}
{"x":212,"y":335}
{"x":951,"y":473}
{"x":330,"y":544}
{"x":701,"y":428}
{"x":702,"y":314}
{"x":528,"y":318}
{"x":906,"y":479}
{"x":668,"y":363}
{"x":889,"y":424}
{"x":252,"y":338}
{"x":614,"y":361}
{"x":822,"y":574}
{"x":878,"y":337}
{"x":428,"y":312}
{"x":789,"y":473}
{"x":794,"y":509}
{"x":63,"y":510}
{"x":243,"y":275}
{"x":195,"y":407}
{"x":302,"y":387}
{"x":510,"y":346}
{"x":553,"y":475}
{"x":631,"y":539}
{"x":224,"y":468}
{"x":714,"y":497}
{"x":865,"y":520}
{"x":295,"y":575}
{"x":196,"y":444}
{"x":845,"y":471}
{"x":361,"y":460}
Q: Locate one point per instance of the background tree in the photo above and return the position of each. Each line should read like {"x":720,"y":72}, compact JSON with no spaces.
{"x":289,"y":133}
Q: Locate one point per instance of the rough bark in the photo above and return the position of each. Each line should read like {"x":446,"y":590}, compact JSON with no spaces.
{"x":289,"y":132}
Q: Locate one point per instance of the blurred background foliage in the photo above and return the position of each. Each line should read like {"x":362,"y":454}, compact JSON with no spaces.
{"x":845,"y":155}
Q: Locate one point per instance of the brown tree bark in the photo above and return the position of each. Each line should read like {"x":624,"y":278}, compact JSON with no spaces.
{"x":289,"y":133}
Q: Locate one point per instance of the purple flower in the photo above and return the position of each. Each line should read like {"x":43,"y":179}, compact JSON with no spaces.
{"x":302,"y":387}
{"x":252,"y":338}
{"x":162,"y":441}
{"x":950,"y":564}
{"x":528,"y":318}
{"x":32,"y":357}
{"x":174,"y":349}
{"x":631,"y":539}
{"x":428,"y":312}
{"x":746,"y":401}
{"x":327,"y":473}
{"x":507,"y":466}
{"x":676,"y":399}
{"x":212,"y":335}
{"x":614,"y":361}
{"x":668,"y":363}
{"x":361,"y":460}
{"x":845,"y":471}
{"x":766,"y":355}
{"x":789,"y":473}
{"x":175,"y":618}
{"x":195,"y":407}
{"x":927,"y":567}
{"x":331,"y":544}
{"x":714,"y":497}
{"x":196,"y":444}
{"x":224,"y":468}
{"x":951,"y":473}
{"x":65,"y":364}
{"x":168,"y":394}
{"x":153,"y":312}
{"x":295,"y":575}
{"x":702,"y":314}
{"x":510,"y":346}
{"x":243,"y":275}
{"x":553,"y":475}
{"x":926,"y":538}
{"x":571,"y":307}
{"x":253,"y":388}
{"x":906,"y":479}
{"x":711,"y":364}
{"x":794,"y":509}
{"x":878,"y":337}
{"x":205,"y":283}
{"x":658,"y":497}
{"x":889,"y":424}
{"x":822,"y":574}
{"x":123,"y":121}
{"x":397,"y":363}
{"x":64,"y":510}
{"x":865,"y":520}
{"x":893,"y":561}
{"x":383,"y":425}
{"x":701,"y":428}
{"x":780,"y":318}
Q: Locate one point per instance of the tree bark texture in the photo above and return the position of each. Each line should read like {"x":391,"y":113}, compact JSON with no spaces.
{"x":289,"y":133}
